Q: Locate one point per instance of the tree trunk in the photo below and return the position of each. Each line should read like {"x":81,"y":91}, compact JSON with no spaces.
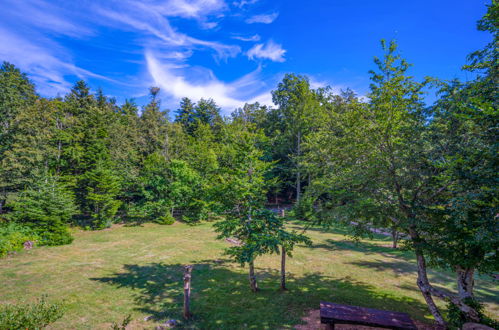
{"x":425,"y":287}
{"x":283,"y":268}
{"x":187,"y":291}
{"x":3,"y":199}
{"x":465,"y":282}
{"x":428,"y":290}
{"x":252,"y":277}
{"x":298,"y":174}
{"x":395,"y":237}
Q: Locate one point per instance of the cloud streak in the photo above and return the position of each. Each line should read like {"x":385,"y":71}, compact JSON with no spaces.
{"x":270,"y":51}
{"x":40,"y":36}
{"x":228,"y":95}
{"x":263,"y":18}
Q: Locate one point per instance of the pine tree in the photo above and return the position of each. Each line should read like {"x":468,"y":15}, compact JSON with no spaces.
{"x":17,"y":93}
{"x":185,"y":114}
{"x":47,"y":208}
{"x":100,"y":203}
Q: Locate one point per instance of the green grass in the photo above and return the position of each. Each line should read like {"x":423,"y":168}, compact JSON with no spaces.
{"x":105,"y":275}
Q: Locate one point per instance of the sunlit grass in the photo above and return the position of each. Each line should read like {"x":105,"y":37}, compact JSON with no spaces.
{"x":105,"y":275}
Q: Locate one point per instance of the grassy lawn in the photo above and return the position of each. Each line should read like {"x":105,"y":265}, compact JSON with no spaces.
{"x":105,"y":275}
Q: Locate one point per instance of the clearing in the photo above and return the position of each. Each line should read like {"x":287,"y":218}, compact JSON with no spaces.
{"x":106,"y":275}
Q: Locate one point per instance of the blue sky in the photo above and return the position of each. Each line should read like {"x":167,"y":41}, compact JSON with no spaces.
{"x":234,"y":51}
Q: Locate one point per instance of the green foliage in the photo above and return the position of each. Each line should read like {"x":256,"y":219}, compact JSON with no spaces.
{"x":304,"y":209}
{"x":13,"y":236}
{"x":47,"y":208}
{"x":100,"y":200}
{"x":241,"y":194}
{"x":166,"y":219}
{"x":456,"y":318}
{"x":17,"y":93}
{"x":30,"y":315}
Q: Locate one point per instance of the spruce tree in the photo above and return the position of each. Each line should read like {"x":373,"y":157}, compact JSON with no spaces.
{"x":47,"y":208}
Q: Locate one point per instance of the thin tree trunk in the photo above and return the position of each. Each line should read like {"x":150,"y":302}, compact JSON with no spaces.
{"x":3,"y":199}
{"x":428,"y":290}
{"x":395,"y":237}
{"x":298,"y":174}
{"x":252,"y":277}
{"x":465,"y":282}
{"x":283,"y":268}
{"x":425,"y":287}
{"x":187,"y":291}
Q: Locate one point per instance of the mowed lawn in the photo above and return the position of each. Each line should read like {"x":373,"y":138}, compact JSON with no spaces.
{"x":106,"y":275}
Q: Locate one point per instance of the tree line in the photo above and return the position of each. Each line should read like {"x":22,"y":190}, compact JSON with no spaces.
{"x":387,"y":161}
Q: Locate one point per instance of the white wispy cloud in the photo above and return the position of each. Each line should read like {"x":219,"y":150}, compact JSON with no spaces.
{"x":151,"y":19}
{"x":32,"y":34}
{"x":227,"y":95}
{"x":188,"y":9}
{"x":48,"y":66}
{"x":254,"y":37}
{"x":242,"y":3}
{"x":270,"y":50}
{"x":262,"y":18}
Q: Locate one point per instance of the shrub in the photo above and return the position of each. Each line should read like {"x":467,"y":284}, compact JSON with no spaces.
{"x":166,"y":219}
{"x":47,"y":208}
{"x":30,"y":316}
{"x":12,"y":237}
{"x":197,"y":210}
{"x":304,"y":210}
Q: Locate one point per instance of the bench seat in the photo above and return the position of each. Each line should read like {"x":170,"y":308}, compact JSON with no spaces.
{"x":332,"y":314}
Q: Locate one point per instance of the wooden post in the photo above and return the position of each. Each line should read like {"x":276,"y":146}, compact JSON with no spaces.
{"x":187,"y":291}
{"x":282,"y":213}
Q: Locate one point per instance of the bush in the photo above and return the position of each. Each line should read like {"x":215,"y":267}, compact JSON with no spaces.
{"x":167,"y":219}
{"x":47,"y":209}
{"x":197,"y":210}
{"x":30,"y":316}
{"x":456,"y":318}
{"x":304,"y":210}
{"x":12,"y":237}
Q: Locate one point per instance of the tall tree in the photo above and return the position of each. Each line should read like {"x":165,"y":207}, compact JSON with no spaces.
{"x":17,"y":93}
{"x":242,"y":194}
{"x":296,"y":108}
{"x":374,"y":164}
{"x":186,"y":114}
{"x":153,"y":124}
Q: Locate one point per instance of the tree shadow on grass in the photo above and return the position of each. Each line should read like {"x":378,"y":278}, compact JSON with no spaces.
{"x":221,"y":298}
{"x":485,"y":290}
{"x":363,"y":247}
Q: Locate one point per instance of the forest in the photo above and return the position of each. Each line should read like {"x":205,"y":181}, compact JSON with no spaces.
{"x":388,"y":161}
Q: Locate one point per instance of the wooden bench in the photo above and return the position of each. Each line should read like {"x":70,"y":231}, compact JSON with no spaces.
{"x":332,"y":314}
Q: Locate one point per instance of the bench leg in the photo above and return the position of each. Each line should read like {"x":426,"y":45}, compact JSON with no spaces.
{"x":330,"y":326}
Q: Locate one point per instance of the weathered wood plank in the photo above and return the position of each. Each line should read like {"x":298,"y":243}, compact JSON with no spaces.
{"x":332,"y":313}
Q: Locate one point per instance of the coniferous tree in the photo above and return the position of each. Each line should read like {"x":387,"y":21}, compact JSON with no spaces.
{"x":186,"y":114}
{"x":17,"y":93}
{"x":47,"y":208}
{"x":102,"y":187}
